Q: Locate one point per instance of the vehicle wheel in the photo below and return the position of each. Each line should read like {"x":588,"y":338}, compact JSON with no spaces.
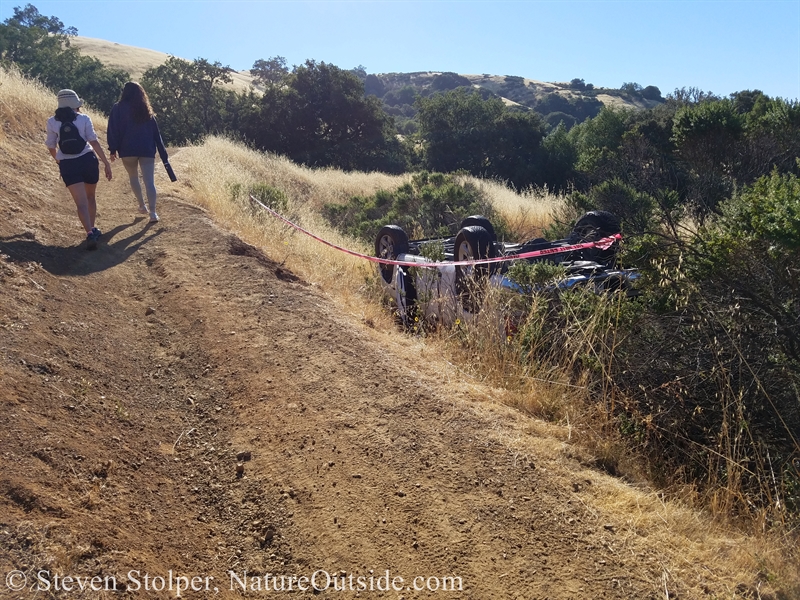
{"x":391,"y":242}
{"x":480,"y":221}
{"x":472,"y":243}
{"x":595,"y":225}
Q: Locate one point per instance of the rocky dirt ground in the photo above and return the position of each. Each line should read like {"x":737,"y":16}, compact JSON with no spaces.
{"x":177,"y":409}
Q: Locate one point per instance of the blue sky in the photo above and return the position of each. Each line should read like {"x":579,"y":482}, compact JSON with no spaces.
{"x":717,"y":46}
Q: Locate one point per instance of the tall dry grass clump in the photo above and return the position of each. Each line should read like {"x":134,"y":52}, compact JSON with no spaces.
{"x":26,"y":104}
{"x":527,"y":212}
{"x":552,"y":351}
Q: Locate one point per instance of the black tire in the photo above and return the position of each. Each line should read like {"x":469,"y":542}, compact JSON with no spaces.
{"x":390,"y":242}
{"x":472,"y":243}
{"x":480,"y":221}
{"x":595,"y":225}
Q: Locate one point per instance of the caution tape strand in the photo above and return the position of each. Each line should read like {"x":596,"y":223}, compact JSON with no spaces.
{"x":603,"y":244}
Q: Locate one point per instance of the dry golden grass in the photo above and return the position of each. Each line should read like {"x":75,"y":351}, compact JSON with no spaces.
{"x":691,"y":541}
{"x":119,"y":56}
{"x":527,"y":212}
{"x":25,"y":106}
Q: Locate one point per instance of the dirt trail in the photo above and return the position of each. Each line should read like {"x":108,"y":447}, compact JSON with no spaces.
{"x":136,"y":378}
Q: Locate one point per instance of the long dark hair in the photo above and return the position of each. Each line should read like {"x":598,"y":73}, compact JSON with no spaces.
{"x":134,"y":94}
{"x":65,"y":114}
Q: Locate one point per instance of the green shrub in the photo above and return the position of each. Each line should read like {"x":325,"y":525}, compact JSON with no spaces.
{"x":635,"y":208}
{"x":701,"y":374}
{"x":431,"y":205}
{"x":714,"y":361}
{"x":533,"y":276}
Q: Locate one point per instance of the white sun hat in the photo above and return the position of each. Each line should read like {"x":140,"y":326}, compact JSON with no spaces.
{"x":68,"y":98}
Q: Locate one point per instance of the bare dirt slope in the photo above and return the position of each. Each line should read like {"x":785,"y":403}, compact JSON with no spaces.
{"x":136,"y":378}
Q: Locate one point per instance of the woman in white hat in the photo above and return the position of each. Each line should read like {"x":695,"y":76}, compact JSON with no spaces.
{"x":71,"y":140}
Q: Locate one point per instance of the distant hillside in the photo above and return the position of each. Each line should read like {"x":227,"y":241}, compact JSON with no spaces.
{"x":568,"y":102}
{"x":137,"y":60}
{"x":515,"y":90}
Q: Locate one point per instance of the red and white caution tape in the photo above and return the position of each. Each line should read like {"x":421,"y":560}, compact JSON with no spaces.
{"x":603,"y":244}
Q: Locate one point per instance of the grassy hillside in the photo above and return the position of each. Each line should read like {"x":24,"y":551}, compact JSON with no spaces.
{"x":519,"y":90}
{"x":137,"y":60}
{"x":92,"y":433}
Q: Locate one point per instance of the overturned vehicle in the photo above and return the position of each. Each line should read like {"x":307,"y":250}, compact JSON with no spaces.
{"x":444,"y":279}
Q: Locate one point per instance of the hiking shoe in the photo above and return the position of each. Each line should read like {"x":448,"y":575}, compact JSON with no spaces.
{"x":91,"y":240}
{"x":154,"y":218}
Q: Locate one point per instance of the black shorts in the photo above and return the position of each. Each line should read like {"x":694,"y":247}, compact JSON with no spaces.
{"x":84,"y":169}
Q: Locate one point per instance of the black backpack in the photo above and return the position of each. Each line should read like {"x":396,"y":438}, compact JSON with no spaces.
{"x":69,"y":138}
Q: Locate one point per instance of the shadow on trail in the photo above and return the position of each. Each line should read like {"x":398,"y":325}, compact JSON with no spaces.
{"x":77,"y":260}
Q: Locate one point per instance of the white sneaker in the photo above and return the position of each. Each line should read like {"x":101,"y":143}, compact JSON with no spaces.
{"x":154,"y":218}
{"x":143,"y":210}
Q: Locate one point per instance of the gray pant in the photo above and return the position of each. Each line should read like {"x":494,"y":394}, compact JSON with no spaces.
{"x":147,"y":165}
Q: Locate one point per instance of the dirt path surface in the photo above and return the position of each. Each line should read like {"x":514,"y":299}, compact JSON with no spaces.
{"x":176,"y":404}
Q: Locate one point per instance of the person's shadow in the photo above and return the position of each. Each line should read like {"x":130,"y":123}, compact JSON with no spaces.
{"x":77,"y":260}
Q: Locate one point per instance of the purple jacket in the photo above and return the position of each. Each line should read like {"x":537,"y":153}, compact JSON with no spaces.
{"x":128,"y":138}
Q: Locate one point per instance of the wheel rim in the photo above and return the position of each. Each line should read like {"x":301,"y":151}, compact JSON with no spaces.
{"x":386,"y":251}
{"x":465,"y":253}
{"x":387,"y":247}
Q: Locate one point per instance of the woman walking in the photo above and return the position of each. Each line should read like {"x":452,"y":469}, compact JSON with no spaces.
{"x":133,"y":135}
{"x":72,"y":142}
